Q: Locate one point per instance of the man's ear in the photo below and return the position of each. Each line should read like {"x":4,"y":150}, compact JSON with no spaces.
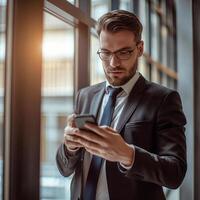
{"x":140,"y":48}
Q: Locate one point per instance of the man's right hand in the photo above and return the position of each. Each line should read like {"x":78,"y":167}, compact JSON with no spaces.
{"x":70,"y":129}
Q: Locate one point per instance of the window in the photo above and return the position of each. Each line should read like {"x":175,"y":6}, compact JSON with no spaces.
{"x":144,"y":66}
{"x":71,"y":1}
{"x":159,"y":35}
{"x":155,"y":35}
{"x":96,"y":68}
{"x":57,"y":102}
{"x":99,"y":7}
{"x":2,"y":67}
{"x":144,"y":17}
{"x":164,"y":34}
{"x":126,"y":5}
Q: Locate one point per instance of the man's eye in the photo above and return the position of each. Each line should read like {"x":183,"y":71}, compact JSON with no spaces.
{"x":105,"y":53}
{"x":123,"y":52}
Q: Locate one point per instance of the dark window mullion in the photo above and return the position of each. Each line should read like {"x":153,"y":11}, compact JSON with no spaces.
{"x":23,"y":126}
{"x":115,"y":4}
{"x":82,"y":51}
{"x":136,"y":7}
{"x":150,"y":34}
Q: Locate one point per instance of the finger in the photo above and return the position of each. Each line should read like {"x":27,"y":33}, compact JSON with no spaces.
{"x":70,"y":120}
{"x":108,"y":128}
{"x":71,"y":138}
{"x":77,"y":139}
{"x":92,"y":144}
{"x":101,"y":130}
{"x":90,"y":136}
{"x":72,"y":145}
{"x":69,"y":130}
{"x":88,"y":140}
{"x":94,"y":128}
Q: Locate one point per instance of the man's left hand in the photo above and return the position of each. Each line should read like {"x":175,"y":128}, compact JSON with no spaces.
{"x":105,"y":142}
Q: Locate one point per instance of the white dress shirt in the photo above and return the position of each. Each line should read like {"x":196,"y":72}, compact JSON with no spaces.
{"x":102,"y":187}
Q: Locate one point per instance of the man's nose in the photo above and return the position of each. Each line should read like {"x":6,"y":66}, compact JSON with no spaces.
{"x":114,"y":61}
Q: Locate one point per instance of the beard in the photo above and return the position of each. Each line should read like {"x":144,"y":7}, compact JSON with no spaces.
{"x":116,"y":80}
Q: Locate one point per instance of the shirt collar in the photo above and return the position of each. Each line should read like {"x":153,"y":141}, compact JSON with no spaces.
{"x":127,"y":87}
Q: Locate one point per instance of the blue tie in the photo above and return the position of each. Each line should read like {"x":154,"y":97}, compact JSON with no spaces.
{"x":89,"y":192}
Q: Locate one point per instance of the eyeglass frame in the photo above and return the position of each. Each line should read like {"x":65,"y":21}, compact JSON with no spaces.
{"x":130,"y":51}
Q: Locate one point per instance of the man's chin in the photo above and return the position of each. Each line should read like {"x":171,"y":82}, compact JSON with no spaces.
{"x":117,"y":82}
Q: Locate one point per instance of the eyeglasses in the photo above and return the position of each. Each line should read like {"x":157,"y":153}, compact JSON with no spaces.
{"x":120,"y":54}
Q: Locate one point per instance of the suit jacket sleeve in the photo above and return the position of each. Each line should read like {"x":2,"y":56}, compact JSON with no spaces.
{"x":166,"y":165}
{"x":66,"y":161}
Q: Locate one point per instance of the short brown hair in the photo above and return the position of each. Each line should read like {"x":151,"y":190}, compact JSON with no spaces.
{"x":118,"y":20}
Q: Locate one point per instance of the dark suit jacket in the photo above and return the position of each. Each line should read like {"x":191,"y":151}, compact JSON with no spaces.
{"x":153,"y":121}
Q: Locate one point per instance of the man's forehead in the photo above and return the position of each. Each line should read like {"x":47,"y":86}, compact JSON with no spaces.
{"x":118,"y":40}
{"x":124,"y":34}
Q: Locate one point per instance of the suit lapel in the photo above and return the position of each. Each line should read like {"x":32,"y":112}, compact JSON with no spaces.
{"x":96,"y":100}
{"x":132,"y":102}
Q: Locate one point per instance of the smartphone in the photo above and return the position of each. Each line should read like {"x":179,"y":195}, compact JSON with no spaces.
{"x":80,"y":120}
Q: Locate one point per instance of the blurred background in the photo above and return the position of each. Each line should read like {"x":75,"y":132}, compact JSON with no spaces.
{"x":48,"y":51}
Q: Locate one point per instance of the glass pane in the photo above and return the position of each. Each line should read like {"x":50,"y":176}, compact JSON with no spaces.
{"x":3,"y":4}
{"x":155,"y":35}
{"x":164,"y":35}
{"x":57,"y":102}
{"x":71,"y":1}
{"x":99,"y":7}
{"x":143,"y":14}
{"x":143,"y":67}
{"x":164,"y":80}
{"x":155,"y":74}
{"x":170,"y":52}
{"x":126,"y":5}
{"x":96,"y":73}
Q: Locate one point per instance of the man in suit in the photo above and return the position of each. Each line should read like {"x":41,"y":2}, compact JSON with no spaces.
{"x":143,"y":148}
